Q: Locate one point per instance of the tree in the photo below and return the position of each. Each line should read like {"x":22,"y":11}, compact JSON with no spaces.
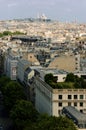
{"x":5,"y":33}
{"x":1,"y":35}
{"x":49,"y":78}
{"x":12,"y":92}
{"x":56,"y":123}
{"x":4,"y":80}
{"x":18,"y":33}
{"x":65,"y":124}
{"x":70,"y":77}
{"x":80,"y":83}
{"x":23,"y":112}
{"x":9,"y":33}
{"x":53,"y":123}
{"x":65,"y":85}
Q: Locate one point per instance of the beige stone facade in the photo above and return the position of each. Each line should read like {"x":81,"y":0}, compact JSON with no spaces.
{"x":52,"y":101}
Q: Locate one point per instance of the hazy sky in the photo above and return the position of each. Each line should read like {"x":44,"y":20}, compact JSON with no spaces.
{"x":62,"y":10}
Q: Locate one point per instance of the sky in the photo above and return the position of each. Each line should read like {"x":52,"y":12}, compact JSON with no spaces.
{"x":61,"y":10}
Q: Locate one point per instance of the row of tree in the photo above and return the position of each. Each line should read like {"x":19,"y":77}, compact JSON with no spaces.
{"x":11,"y":91}
{"x":23,"y":113}
{"x":71,"y":81}
{"x":6,"y":33}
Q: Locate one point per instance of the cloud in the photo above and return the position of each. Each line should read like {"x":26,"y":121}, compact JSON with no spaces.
{"x":12,"y":4}
{"x":68,"y":10}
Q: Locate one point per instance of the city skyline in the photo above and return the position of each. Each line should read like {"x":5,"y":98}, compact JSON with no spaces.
{"x":62,"y":10}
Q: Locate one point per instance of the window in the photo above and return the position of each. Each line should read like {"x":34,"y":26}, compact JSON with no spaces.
{"x":81,"y":111}
{"x":85,"y":125}
{"x":80,"y":125}
{"x":60,"y":96}
{"x":30,"y":56}
{"x":75,"y":96}
{"x":64,"y":78}
{"x":75,"y":104}
{"x":76,"y":68}
{"x":59,"y":112}
{"x":81,"y":96}
{"x":76,"y":58}
{"x":69,"y":97}
{"x":60,"y":104}
{"x":81,"y":104}
{"x":69,"y":103}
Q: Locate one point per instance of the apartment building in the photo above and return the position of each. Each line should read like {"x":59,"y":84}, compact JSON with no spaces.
{"x":28,"y":75}
{"x":1,"y":61}
{"x":68,"y":63}
{"x":29,"y":84}
{"x":22,"y":66}
{"x":52,"y":101}
{"x":10,"y":64}
{"x":60,"y":75}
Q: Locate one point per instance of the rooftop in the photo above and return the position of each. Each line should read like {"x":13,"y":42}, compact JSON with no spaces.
{"x":51,"y":70}
{"x":76,"y":114}
{"x":24,"y":62}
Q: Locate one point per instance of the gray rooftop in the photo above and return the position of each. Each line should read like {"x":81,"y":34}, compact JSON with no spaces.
{"x":75,"y":113}
{"x":24,"y":62}
{"x":51,"y":70}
